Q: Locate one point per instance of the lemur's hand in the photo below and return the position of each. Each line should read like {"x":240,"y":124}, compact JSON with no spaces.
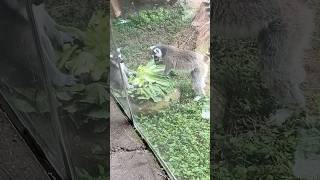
{"x":132,"y":73}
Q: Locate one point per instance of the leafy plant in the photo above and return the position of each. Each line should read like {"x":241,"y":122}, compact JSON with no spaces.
{"x":89,"y":58}
{"x":155,"y":17}
{"x":150,"y":83}
{"x":267,"y":153}
{"x":87,"y":61}
{"x":181,"y":136}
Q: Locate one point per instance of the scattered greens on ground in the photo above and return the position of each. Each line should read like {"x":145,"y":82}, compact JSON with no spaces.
{"x":155,"y":18}
{"x":181,"y":136}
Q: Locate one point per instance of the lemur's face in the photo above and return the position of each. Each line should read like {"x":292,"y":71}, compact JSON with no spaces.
{"x":157,"y":53}
{"x":117,"y":56}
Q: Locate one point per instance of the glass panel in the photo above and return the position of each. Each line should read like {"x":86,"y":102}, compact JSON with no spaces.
{"x":166,"y":111}
{"x":84,"y":105}
{"x":24,"y":81}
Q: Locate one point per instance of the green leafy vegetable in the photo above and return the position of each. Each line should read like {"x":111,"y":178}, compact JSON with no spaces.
{"x":150,"y":83}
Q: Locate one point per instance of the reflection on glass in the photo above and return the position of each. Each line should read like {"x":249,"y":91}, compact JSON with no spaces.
{"x":55,"y":80}
{"x":267,"y":96}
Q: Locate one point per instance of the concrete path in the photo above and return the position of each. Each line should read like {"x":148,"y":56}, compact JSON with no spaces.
{"x":16,"y":159}
{"x":129,"y":158}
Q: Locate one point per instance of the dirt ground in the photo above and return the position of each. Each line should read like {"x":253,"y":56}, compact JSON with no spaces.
{"x":129,"y":157}
{"x":16,"y":159}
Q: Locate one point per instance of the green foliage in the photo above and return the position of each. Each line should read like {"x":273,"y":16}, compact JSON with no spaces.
{"x":89,"y":62}
{"x":266,"y":154}
{"x":181,"y":137}
{"x":85,"y":175}
{"x":155,"y":18}
{"x":245,"y":146}
{"x":237,"y":73}
{"x":150,"y":83}
{"x":91,"y":57}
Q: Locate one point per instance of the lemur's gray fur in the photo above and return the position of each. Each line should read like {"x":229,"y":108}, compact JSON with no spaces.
{"x":184,"y":60}
{"x":116,"y":81}
{"x":18,"y":48}
{"x":282,"y":28}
